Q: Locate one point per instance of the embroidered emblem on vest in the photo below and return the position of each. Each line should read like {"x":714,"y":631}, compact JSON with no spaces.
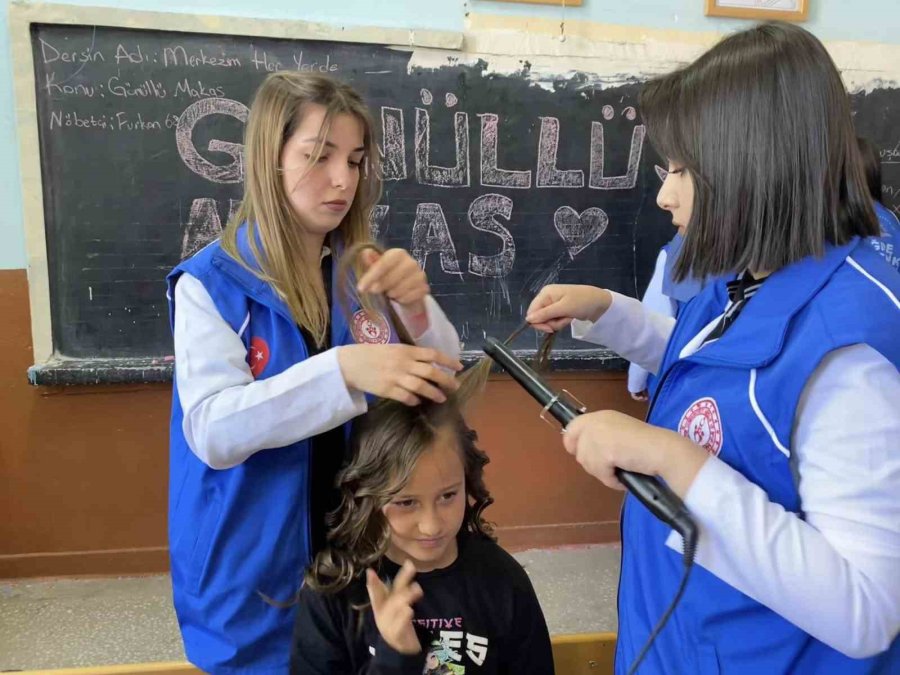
{"x":371,"y":329}
{"x":258,"y":355}
{"x":702,"y":424}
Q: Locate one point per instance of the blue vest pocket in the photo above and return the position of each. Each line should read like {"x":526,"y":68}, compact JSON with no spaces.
{"x":202,"y":545}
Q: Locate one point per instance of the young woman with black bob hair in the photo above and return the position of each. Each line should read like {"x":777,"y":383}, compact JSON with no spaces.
{"x":776,"y":416}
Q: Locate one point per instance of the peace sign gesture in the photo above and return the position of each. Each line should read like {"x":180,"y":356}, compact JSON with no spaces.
{"x":392,"y":608}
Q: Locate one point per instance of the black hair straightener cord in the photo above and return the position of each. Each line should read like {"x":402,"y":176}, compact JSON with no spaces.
{"x":650,"y":491}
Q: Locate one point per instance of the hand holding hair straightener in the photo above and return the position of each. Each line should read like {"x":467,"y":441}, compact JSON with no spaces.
{"x":652,"y":493}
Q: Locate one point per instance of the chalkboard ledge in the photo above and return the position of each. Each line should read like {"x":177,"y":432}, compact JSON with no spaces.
{"x":69,"y":371}
{"x":62,"y":370}
{"x":564,"y":360}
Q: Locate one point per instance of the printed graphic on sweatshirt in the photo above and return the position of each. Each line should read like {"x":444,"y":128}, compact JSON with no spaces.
{"x":258,"y":356}
{"x":702,"y":424}
{"x":370,"y":328}
{"x":452,"y":649}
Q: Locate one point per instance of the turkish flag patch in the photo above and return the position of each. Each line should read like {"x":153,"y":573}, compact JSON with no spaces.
{"x":258,"y":355}
{"x":702,"y":424}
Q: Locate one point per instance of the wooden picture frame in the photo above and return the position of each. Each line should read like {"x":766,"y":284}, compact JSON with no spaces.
{"x":785,"y":10}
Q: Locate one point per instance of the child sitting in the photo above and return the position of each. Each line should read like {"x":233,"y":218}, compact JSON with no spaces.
{"x":411,"y":580}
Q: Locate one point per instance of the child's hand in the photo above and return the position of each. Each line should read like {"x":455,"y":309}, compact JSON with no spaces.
{"x":398,"y":276}
{"x":393,"y":610}
{"x":556,"y":305}
{"x":399,"y":372}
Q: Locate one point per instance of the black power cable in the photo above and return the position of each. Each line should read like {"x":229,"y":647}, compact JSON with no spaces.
{"x":688,"y":551}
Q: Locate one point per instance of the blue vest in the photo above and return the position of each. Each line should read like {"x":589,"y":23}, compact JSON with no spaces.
{"x":239,"y":532}
{"x":888,"y":244}
{"x":799,"y":315}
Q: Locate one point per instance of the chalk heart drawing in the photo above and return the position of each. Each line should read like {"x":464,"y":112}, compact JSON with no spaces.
{"x":579,"y":230}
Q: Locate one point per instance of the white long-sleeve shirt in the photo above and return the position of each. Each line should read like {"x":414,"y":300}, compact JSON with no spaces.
{"x":655,"y":301}
{"x":835,"y":572}
{"x":229,"y":415}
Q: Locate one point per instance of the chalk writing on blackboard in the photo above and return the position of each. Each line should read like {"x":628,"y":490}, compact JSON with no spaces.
{"x":497,"y":182}
{"x":548,"y":146}
{"x":217,"y":173}
{"x":493,"y":184}
{"x":430,"y":231}
{"x":491,"y":174}
{"x":442,"y":176}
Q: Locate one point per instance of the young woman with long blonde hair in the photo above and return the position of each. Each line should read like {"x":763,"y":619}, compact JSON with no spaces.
{"x":269,"y":369}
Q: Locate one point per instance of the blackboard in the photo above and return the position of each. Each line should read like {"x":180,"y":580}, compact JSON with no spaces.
{"x":498,"y":184}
